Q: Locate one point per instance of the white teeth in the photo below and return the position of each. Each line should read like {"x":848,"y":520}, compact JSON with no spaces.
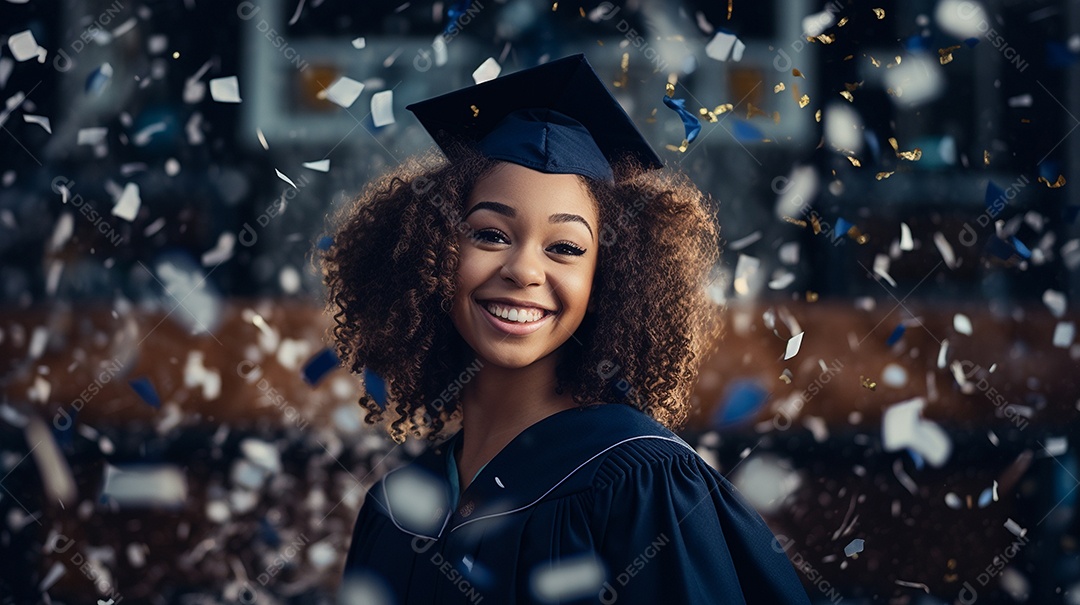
{"x":518,"y":315}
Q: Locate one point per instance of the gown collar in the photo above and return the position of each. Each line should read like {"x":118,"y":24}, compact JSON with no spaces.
{"x":540,"y":461}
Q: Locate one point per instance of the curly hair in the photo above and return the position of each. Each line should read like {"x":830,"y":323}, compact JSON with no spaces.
{"x":391,"y":272}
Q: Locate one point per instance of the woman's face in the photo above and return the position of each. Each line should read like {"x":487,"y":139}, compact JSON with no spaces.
{"x":530,"y":256}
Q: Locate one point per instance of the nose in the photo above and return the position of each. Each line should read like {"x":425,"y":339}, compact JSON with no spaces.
{"x":524,"y":268}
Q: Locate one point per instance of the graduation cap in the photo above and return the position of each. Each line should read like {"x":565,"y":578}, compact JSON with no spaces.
{"x":556,"y":118}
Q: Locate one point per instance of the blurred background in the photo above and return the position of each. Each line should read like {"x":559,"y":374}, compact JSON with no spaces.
{"x":896,"y":392}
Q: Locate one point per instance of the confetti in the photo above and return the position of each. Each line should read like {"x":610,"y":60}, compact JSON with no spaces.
{"x":945,"y":54}
{"x":904,"y":427}
{"x":962,"y":324}
{"x":1055,"y":301}
{"x":24,"y":47}
{"x":282,"y":176}
{"x":343,"y":92}
{"x":358,"y":43}
{"x":691,"y":125}
{"x":39,"y":120}
{"x":779,"y":87}
{"x":225,"y":90}
{"x":145,"y":390}
{"x":725,"y":46}
{"x":1058,"y":183}
{"x":319,"y":165}
{"x":804,"y":101}
{"x":793,"y":345}
{"x":382,"y":110}
{"x":879,"y":13}
{"x":906,"y":243}
{"x":854,"y":547}
{"x":867,"y":383}
{"x":127,"y":206}
{"x":316,"y":368}
{"x":145,"y":486}
{"x":847,"y":95}
{"x":488,"y":70}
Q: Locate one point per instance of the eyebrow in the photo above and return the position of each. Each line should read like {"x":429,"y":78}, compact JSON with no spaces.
{"x":503,"y":209}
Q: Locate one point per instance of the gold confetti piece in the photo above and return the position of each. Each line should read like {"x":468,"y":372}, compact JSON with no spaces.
{"x":880,"y":12}
{"x":795,"y":221}
{"x":895,"y":146}
{"x":722,"y":109}
{"x":912,"y":156}
{"x":849,"y":57}
{"x":854,"y":161}
{"x":847,"y":95}
{"x":1025,"y":121}
{"x":875,"y":62}
{"x":681,"y":148}
{"x":868,"y":383}
{"x":945,"y":54}
{"x":898,"y":59}
{"x":852,"y":86}
{"x":895,"y":93}
{"x":883,"y":175}
{"x":776,"y":117}
{"x":582,"y":11}
{"x":804,"y":101}
{"x":817,"y":116}
{"x":815,"y":224}
{"x":555,"y":7}
{"x":797,"y":74}
{"x":475,"y":110}
{"x":752,"y":111}
{"x":778,"y":88}
{"x":826,"y":38}
{"x":1058,"y":183}
{"x":857,"y":235}
{"x":785,"y":378}
{"x":811,"y":296}
{"x":729,"y":2}
{"x":842,"y":22}
{"x":670,"y":88}
{"x":986,"y":158}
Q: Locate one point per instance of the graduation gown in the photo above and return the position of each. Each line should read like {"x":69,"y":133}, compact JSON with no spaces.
{"x":589,"y":505}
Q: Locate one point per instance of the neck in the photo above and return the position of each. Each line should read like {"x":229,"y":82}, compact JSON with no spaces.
{"x":499,"y":403}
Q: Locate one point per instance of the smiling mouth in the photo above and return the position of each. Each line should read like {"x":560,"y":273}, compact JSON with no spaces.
{"x":517,"y":315}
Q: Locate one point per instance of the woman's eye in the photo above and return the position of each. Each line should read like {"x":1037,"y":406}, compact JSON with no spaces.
{"x":568,"y":248}
{"x":489,"y":236}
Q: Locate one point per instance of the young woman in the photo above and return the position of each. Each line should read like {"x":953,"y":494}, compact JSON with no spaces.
{"x":540,"y":294}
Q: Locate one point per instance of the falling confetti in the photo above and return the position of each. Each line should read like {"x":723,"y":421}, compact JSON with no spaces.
{"x":225,"y":90}
{"x":344,"y":91}
{"x":382,"y":110}
{"x":488,"y":70}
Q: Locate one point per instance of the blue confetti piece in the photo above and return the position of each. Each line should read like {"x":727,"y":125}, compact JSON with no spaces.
{"x":896,"y":334}
{"x":320,"y":365}
{"x":842,"y":227}
{"x":268,"y":533}
{"x":915,"y":43}
{"x":325,"y":242}
{"x":741,"y":402}
{"x":145,"y":389}
{"x":916,"y":458}
{"x":1050,"y":169}
{"x":689,"y":120}
{"x":98,"y":78}
{"x":971,"y":42}
{"x":745,"y":131}
{"x":1021,"y":249}
{"x":872,"y":142}
{"x":1000,"y":248}
{"x":986,"y":497}
{"x":376,"y":387}
{"x":993,"y":195}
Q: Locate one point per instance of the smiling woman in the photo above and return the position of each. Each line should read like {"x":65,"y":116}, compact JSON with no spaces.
{"x":558,"y":485}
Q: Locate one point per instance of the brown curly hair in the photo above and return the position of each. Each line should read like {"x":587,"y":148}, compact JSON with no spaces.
{"x":391,"y":271}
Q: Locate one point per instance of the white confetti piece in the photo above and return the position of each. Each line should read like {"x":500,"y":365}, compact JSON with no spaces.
{"x":225,"y":90}
{"x":127,"y":207}
{"x":962,"y":324}
{"x":488,"y":70}
{"x":743,"y":242}
{"x":222,"y":252}
{"x":344,"y":91}
{"x":39,"y":120}
{"x":745,"y":271}
{"x":854,"y":547}
{"x":943,"y":353}
{"x":145,"y":485}
{"x":499,"y":483}
{"x":1064,"y":333}
{"x":843,"y":127}
{"x":144,"y":135}
{"x":262,"y":454}
{"x":1055,"y":301}
{"x":725,"y":46}
{"x":285,"y":178}
{"x":793,"y":345}
{"x":172,"y":167}
{"x":382,"y":109}
{"x":906,"y":243}
{"x":23,"y":46}
{"x":359,"y":43}
{"x":262,"y":139}
{"x":91,"y":136}
{"x":881,"y":268}
{"x":52,"y":466}
{"x":567,"y":579}
{"x":1015,"y":528}
{"x":946,"y":251}
{"x":318,"y":165}
{"x":1024,"y":100}
{"x":903,"y":426}
{"x":1056,"y":446}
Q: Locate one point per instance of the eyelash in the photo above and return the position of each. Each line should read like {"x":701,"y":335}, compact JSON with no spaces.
{"x":575,"y":251}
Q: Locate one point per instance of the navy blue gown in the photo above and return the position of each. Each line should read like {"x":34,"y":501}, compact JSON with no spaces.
{"x":590,"y":505}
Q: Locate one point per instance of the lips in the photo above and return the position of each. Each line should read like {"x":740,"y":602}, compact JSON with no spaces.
{"x":514,"y":328}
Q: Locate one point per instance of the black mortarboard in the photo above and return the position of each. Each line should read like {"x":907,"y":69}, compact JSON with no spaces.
{"x":557,"y":117}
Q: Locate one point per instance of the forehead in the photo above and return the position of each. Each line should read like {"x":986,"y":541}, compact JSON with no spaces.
{"x":532,"y":191}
